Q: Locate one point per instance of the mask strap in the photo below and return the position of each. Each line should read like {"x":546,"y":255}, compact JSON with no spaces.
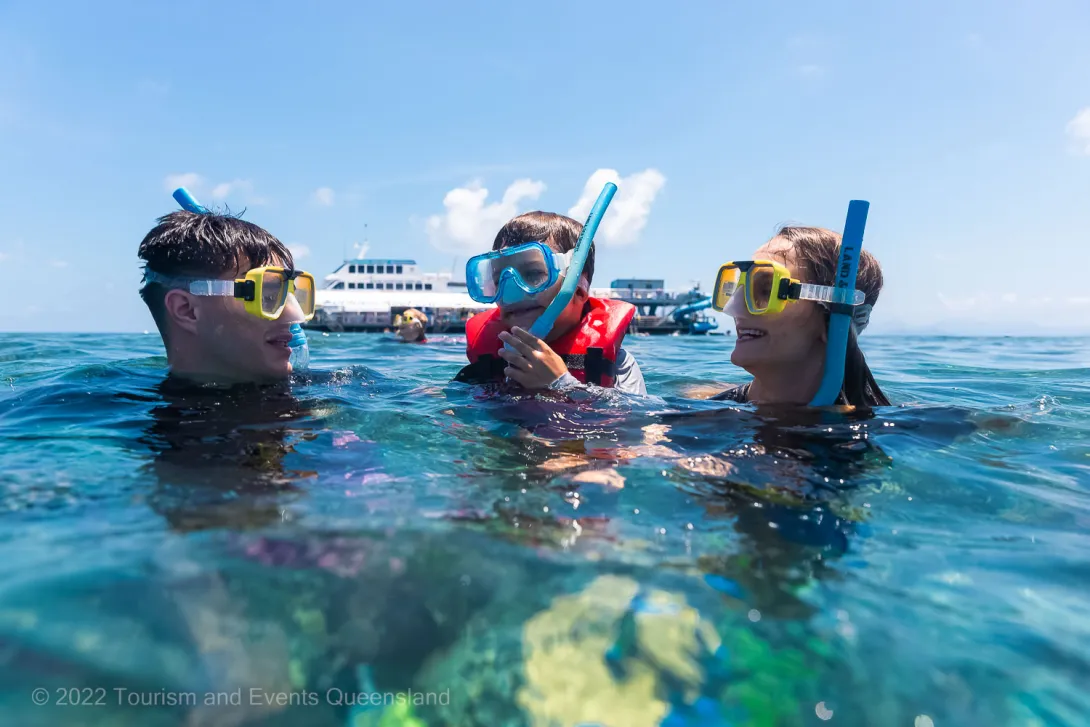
{"x":861,"y":317}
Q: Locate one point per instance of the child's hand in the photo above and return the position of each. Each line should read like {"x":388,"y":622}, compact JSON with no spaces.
{"x":532,"y":364}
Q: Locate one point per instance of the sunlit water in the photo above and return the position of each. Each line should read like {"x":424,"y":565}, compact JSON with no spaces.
{"x":373,"y":528}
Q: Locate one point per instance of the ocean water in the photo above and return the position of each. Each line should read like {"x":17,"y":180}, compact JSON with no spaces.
{"x":373,"y":545}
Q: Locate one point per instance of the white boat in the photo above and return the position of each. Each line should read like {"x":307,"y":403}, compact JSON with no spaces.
{"x":366,"y":294}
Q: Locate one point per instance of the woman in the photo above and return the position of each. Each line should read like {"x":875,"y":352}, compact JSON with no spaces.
{"x":783,"y":344}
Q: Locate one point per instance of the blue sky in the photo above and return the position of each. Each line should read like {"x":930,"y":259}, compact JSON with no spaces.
{"x":965,"y":124}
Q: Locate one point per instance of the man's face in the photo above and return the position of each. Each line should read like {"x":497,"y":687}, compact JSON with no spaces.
{"x":228,"y":344}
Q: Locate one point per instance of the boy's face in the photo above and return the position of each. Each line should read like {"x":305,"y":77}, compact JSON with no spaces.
{"x":229,"y":344}
{"x":524,"y":312}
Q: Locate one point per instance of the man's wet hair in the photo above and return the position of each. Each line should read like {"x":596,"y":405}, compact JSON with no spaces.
{"x":213,"y":245}
{"x":557,"y":231}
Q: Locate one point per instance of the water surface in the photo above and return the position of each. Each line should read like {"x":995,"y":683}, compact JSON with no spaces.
{"x":373,"y":528}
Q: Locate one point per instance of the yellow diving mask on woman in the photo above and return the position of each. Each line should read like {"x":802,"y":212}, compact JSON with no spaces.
{"x":769,"y":287}
{"x":264,"y":291}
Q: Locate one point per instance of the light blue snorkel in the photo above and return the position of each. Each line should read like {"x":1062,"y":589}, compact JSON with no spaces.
{"x":840,"y":310}
{"x":300,"y":351}
{"x":544,"y":323}
{"x":188,"y":202}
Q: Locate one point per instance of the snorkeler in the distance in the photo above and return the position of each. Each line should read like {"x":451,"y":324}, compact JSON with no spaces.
{"x":783,"y":302}
{"x":410,"y":326}
{"x":523,"y":274}
{"x":225,"y":296}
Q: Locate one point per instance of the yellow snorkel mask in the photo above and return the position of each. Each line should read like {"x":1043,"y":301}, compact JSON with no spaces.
{"x":264,"y":291}
{"x":769,"y":287}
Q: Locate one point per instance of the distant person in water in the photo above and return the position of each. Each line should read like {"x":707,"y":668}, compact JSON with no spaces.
{"x":224,"y":294}
{"x":523,"y":274}
{"x":783,"y":344}
{"x":410,"y":326}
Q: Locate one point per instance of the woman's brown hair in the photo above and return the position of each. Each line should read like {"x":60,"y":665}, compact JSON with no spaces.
{"x":817,"y":251}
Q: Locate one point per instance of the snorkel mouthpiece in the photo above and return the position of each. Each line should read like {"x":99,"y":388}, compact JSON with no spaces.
{"x":544,"y":324}
{"x":840,"y":311}
{"x":300,"y":351}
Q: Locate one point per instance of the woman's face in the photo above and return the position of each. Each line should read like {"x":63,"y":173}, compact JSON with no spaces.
{"x":777,"y":340}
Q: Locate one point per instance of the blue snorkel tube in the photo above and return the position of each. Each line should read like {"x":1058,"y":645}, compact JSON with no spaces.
{"x":300,"y":351}
{"x":188,"y":201}
{"x":840,"y":309}
{"x":544,"y":324}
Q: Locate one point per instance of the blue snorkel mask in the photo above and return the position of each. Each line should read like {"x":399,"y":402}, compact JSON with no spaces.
{"x":512,"y":274}
{"x":841,"y":315}
{"x":300,"y":350}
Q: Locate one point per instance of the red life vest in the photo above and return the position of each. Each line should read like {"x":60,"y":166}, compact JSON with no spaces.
{"x":589,"y":350}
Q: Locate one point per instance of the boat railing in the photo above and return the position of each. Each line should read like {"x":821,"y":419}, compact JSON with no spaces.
{"x":648,"y":294}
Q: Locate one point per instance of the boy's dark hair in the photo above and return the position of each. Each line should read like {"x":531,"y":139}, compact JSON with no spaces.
{"x":557,"y":231}
{"x":187,"y":244}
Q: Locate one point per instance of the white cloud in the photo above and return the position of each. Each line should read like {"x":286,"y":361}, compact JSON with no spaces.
{"x":628,"y":212}
{"x":469,"y":224}
{"x":974,"y":41}
{"x":323,"y":197}
{"x":299,"y":251}
{"x":202,"y":189}
{"x":59,"y":263}
{"x":811,"y":71}
{"x":243,"y":188}
{"x":3,"y":256}
{"x":190,"y":180}
{"x":1078,"y":129}
{"x":153,"y":88}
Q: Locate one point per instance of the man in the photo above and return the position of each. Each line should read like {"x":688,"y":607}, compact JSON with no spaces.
{"x":224,"y":294}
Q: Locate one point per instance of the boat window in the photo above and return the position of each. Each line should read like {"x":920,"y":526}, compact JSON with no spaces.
{"x":399,"y":270}
{"x":381,"y":269}
{"x":351,"y":268}
{"x":370,"y":286}
{"x":427,"y":286}
{"x":352,"y":286}
{"x":419,"y":286}
{"x":400,"y":286}
{"x":370,"y":268}
{"x":338,"y":286}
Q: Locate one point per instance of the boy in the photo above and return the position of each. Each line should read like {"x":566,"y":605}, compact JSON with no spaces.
{"x":523,"y":275}
{"x":223,"y":293}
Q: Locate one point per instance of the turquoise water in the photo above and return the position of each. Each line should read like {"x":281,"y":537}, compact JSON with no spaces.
{"x":372,"y":528}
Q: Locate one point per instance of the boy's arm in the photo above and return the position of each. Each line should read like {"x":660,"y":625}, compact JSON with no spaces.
{"x":628,"y":377}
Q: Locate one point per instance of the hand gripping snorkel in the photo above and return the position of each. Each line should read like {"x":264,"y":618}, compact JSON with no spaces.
{"x":840,"y":312}
{"x":544,"y":323}
{"x":300,"y":351}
